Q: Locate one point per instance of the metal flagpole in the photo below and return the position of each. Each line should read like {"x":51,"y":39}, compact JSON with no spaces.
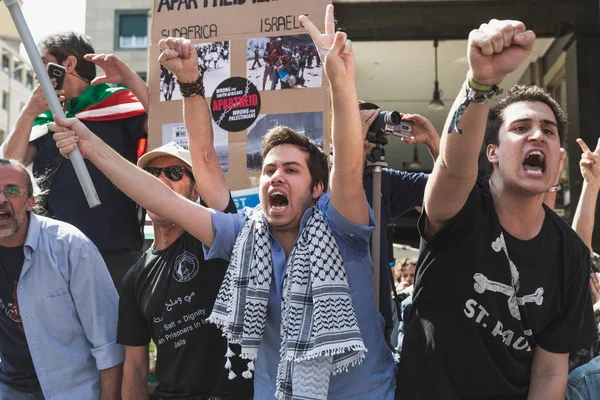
{"x":38,"y":66}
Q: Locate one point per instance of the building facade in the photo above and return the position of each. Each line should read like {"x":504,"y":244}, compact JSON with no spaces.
{"x":16,"y":75}
{"x":121,"y":27}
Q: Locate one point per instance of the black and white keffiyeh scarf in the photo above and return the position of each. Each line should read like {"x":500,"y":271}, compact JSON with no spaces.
{"x":319,"y":331}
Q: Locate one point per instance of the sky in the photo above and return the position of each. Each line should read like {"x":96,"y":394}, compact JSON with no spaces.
{"x":48,"y":16}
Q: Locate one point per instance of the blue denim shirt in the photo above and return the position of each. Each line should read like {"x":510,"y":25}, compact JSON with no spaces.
{"x":584,"y":381}
{"x":69,"y":307}
{"x":374,"y":379}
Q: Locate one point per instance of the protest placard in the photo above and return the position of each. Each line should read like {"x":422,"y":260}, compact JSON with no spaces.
{"x":260,"y":70}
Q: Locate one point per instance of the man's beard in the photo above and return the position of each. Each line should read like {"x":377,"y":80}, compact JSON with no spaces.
{"x":13,"y":228}
{"x":305,"y":203}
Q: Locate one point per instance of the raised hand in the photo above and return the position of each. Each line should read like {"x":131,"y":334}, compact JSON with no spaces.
{"x":367,"y":117}
{"x":334,"y":49}
{"x":497,"y":49}
{"x":115,"y":70}
{"x":180,"y":57}
{"x":37,"y":103}
{"x":590,"y":164}
{"x":69,"y":134}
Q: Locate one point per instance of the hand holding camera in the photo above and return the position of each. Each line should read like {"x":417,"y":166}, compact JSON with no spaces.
{"x":422,"y":130}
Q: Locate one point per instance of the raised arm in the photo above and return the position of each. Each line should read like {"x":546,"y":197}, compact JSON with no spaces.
{"x":17,"y":145}
{"x":143,"y":188}
{"x":347,"y":193}
{"x":495,"y":50}
{"x":180,"y":57}
{"x":583,"y":221}
{"x":116,"y":71}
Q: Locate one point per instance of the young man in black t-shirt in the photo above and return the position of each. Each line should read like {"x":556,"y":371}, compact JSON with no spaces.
{"x":167,"y":297}
{"x":501,"y":291}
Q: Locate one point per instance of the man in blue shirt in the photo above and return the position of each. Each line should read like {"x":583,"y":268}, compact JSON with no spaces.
{"x":59,"y":323}
{"x":302,"y":223}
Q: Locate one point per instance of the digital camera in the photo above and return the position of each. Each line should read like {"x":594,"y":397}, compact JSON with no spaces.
{"x":389,"y":123}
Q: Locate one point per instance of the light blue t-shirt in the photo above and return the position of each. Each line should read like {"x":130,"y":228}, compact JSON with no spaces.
{"x":374,"y":378}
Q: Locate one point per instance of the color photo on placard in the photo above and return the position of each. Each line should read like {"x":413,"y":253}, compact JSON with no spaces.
{"x":309,"y":124}
{"x":285,"y":62}
{"x":213,"y":62}
{"x":176,"y":132}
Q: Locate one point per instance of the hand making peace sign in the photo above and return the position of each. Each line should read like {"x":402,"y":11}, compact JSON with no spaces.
{"x":590,"y":164}
{"x":334,"y":49}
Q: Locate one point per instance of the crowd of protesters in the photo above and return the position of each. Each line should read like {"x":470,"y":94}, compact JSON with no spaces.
{"x":277,"y":302}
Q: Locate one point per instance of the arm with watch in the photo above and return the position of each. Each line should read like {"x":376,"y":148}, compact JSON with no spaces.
{"x":494,"y":50}
{"x":180,"y":57}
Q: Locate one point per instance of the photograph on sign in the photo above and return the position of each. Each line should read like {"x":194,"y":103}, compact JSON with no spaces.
{"x":213,"y":63}
{"x":283,"y":62}
{"x":176,"y":132}
{"x":309,"y":124}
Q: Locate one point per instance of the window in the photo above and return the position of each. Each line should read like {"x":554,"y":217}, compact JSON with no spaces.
{"x":5,"y":63}
{"x":4,"y":100}
{"x":132,"y":29}
{"x":2,"y":135}
{"x":18,"y":73}
{"x":29,"y":81}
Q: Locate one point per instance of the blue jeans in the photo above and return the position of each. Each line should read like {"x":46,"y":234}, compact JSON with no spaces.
{"x":584,"y":381}
{"x":8,"y":393}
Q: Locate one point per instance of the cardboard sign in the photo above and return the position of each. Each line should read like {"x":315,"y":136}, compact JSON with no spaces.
{"x":260,"y":68}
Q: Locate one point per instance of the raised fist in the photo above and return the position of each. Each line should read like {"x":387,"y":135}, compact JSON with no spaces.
{"x":498,"y":48}
{"x":180,"y":57}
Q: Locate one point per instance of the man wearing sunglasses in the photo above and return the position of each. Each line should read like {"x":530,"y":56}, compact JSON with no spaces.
{"x":58,"y":319}
{"x":166,"y":297}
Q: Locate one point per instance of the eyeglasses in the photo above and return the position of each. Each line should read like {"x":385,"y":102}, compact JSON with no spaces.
{"x":13,"y":192}
{"x":173,"y":173}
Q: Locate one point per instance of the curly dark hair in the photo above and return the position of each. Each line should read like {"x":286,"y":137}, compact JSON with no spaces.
{"x":65,"y":44}
{"x":318,"y":161}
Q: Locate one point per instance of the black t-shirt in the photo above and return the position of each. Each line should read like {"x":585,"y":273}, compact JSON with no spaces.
{"x":470,"y":336}
{"x":167,"y":296}
{"x":16,"y":365}
{"x":117,"y":224}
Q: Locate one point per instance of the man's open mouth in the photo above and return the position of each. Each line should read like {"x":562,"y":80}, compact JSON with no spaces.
{"x":5,"y":215}
{"x":535,"y":163}
{"x":278,"y":201}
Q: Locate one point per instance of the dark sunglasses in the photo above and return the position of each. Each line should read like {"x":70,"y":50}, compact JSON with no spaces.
{"x":173,"y":173}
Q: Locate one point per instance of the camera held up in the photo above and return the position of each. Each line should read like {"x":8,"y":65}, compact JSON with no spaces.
{"x":388,"y":123}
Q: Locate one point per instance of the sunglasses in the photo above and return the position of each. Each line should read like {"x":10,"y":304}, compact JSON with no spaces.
{"x":173,"y":173}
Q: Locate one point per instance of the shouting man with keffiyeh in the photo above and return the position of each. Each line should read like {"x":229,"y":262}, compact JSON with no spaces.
{"x":297,"y":295}
{"x":117,"y":116}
